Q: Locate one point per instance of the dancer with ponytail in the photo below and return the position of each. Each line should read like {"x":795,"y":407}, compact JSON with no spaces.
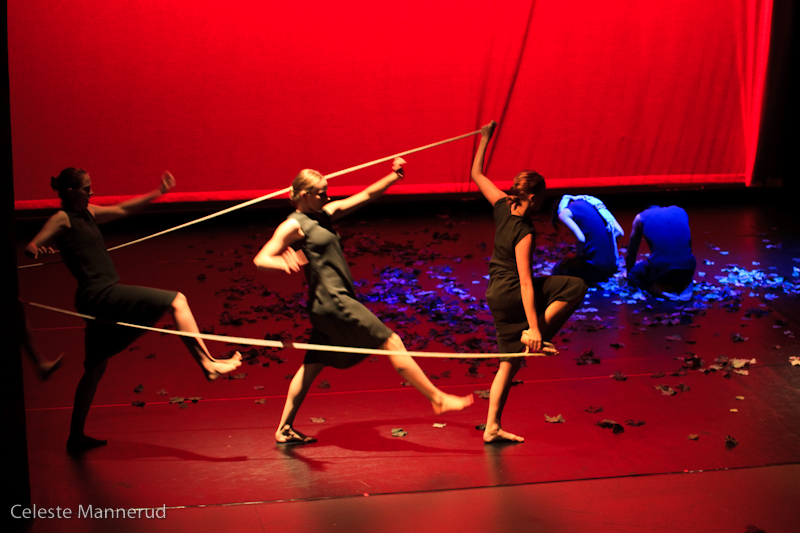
{"x":77,"y":237}
{"x":527,"y":311}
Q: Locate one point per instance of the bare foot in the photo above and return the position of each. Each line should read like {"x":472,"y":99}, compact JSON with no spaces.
{"x":77,"y":445}
{"x":500,"y":436}
{"x":448,"y":402}
{"x":217,"y":367}
{"x":287,"y":435}
{"x":47,"y":369}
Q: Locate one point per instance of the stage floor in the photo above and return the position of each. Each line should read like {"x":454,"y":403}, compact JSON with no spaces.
{"x":215,"y":466}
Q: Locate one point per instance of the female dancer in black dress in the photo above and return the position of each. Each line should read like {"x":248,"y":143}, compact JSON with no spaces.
{"x":526,"y":310}
{"x":77,"y":237}
{"x":307,"y":237}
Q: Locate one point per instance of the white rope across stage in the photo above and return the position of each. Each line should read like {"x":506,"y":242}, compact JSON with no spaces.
{"x":246,"y":341}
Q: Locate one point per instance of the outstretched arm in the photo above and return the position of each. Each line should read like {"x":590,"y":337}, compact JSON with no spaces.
{"x":635,"y":241}
{"x":485,"y":185}
{"x":108,"y":213}
{"x":340,"y":208}
{"x":277,"y":254}
{"x":40,"y":243}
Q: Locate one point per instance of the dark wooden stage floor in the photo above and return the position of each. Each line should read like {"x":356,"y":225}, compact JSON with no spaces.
{"x":213,"y":463}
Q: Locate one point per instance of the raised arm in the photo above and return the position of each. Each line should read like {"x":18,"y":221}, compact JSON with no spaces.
{"x":277,"y":254}
{"x":104,"y":214}
{"x":40,"y":243}
{"x":485,"y":185}
{"x":523,"y":251}
{"x":340,"y":208}
{"x":633,"y":244}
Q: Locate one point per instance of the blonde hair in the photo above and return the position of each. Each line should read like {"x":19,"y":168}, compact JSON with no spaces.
{"x":527,"y":182}
{"x":305,"y":180}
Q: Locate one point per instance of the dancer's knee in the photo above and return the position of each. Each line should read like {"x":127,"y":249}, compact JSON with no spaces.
{"x":180,"y":303}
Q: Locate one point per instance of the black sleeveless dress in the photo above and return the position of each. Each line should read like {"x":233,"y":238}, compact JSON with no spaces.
{"x":503,"y":293}
{"x":99,"y":293}
{"x":337,"y":317}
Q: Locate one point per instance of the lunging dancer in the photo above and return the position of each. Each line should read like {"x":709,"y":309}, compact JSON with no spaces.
{"x":527,"y":311}
{"x":74,"y":230}
{"x":307,"y":237}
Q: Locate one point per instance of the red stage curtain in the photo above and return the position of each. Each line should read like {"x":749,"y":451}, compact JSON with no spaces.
{"x":235,"y":97}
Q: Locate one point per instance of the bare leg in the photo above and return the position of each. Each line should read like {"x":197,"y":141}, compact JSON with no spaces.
{"x":298,"y":388}
{"x":44,"y":366}
{"x":184,"y":321}
{"x":411,"y":372}
{"x":498,"y":394}
{"x":553,"y":319}
{"x":78,"y":442}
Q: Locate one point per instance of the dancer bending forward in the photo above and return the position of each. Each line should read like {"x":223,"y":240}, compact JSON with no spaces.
{"x":307,"y":237}
{"x":74,"y":230}
{"x":527,"y":311}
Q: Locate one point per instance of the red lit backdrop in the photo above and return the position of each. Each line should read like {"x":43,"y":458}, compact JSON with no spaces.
{"x":235,"y":97}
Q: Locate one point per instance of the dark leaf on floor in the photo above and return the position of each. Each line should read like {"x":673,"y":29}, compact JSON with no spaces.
{"x":317,"y":420}
{"x":237,"y":376}
{"x":177,"y":399}
{"x":658,"y":374}
{"x":481,"y":427}
{"x":558,"y":419}
{"x":195,"y":399}
{"x":682,"y":387}
{"x":483,"y":394}
{"x":754,"y":529}
{"x":666,"y":390}
{"x":137,"y":403}
{"x":634,"y":423}
{"x":324,"y":384}
{"x":162,"y":392}
{"x":288,"y":376}
{"x":587,"y":358}
{"x":619,"y":376}
{"x":615,"y":427}
{"x":594,"y":409}
{"x":398,"y":432}
{"x":737,"y":337}
{"x":694,"y":436}
{"x":183,"y":405}
{"x":261,"y":401}
{"x":730,"y":442}
{"x":674,"y":337}
{"x":617,"y":345}
{"x":150,"y":356}
{"x":138,"y":388}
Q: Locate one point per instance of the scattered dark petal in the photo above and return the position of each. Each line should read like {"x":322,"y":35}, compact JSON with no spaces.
{"x":162,"y":392}
{"x":634,"y":423}
{"x":138,"y":388}
{"x":682,"y":387}
{"x":398,"y":432}
{"x":324,"y":384}
{"x":316,"y":420}
{"x":666,"y":390}
{"x":737,"y":337}
{"x":615,"y":427}
{"x":261,"y":401}
{"x":694,"y":436}
{"x":730,"y":442}
{"x":195,"y":399}
{"x":483,"y":394}
{"x":587,"y":358}
{"x":617,"y":345}
{"x":177,"y":399}
{"x":594,"y":409}
{"x":137,"y":403}
{"x":619,"y":376}
{"x":674,"y":338}
{"x":558,"y":419}
{"x":658,"y":374}
{"x":481,"y":427}
{"x":150,"y":356}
